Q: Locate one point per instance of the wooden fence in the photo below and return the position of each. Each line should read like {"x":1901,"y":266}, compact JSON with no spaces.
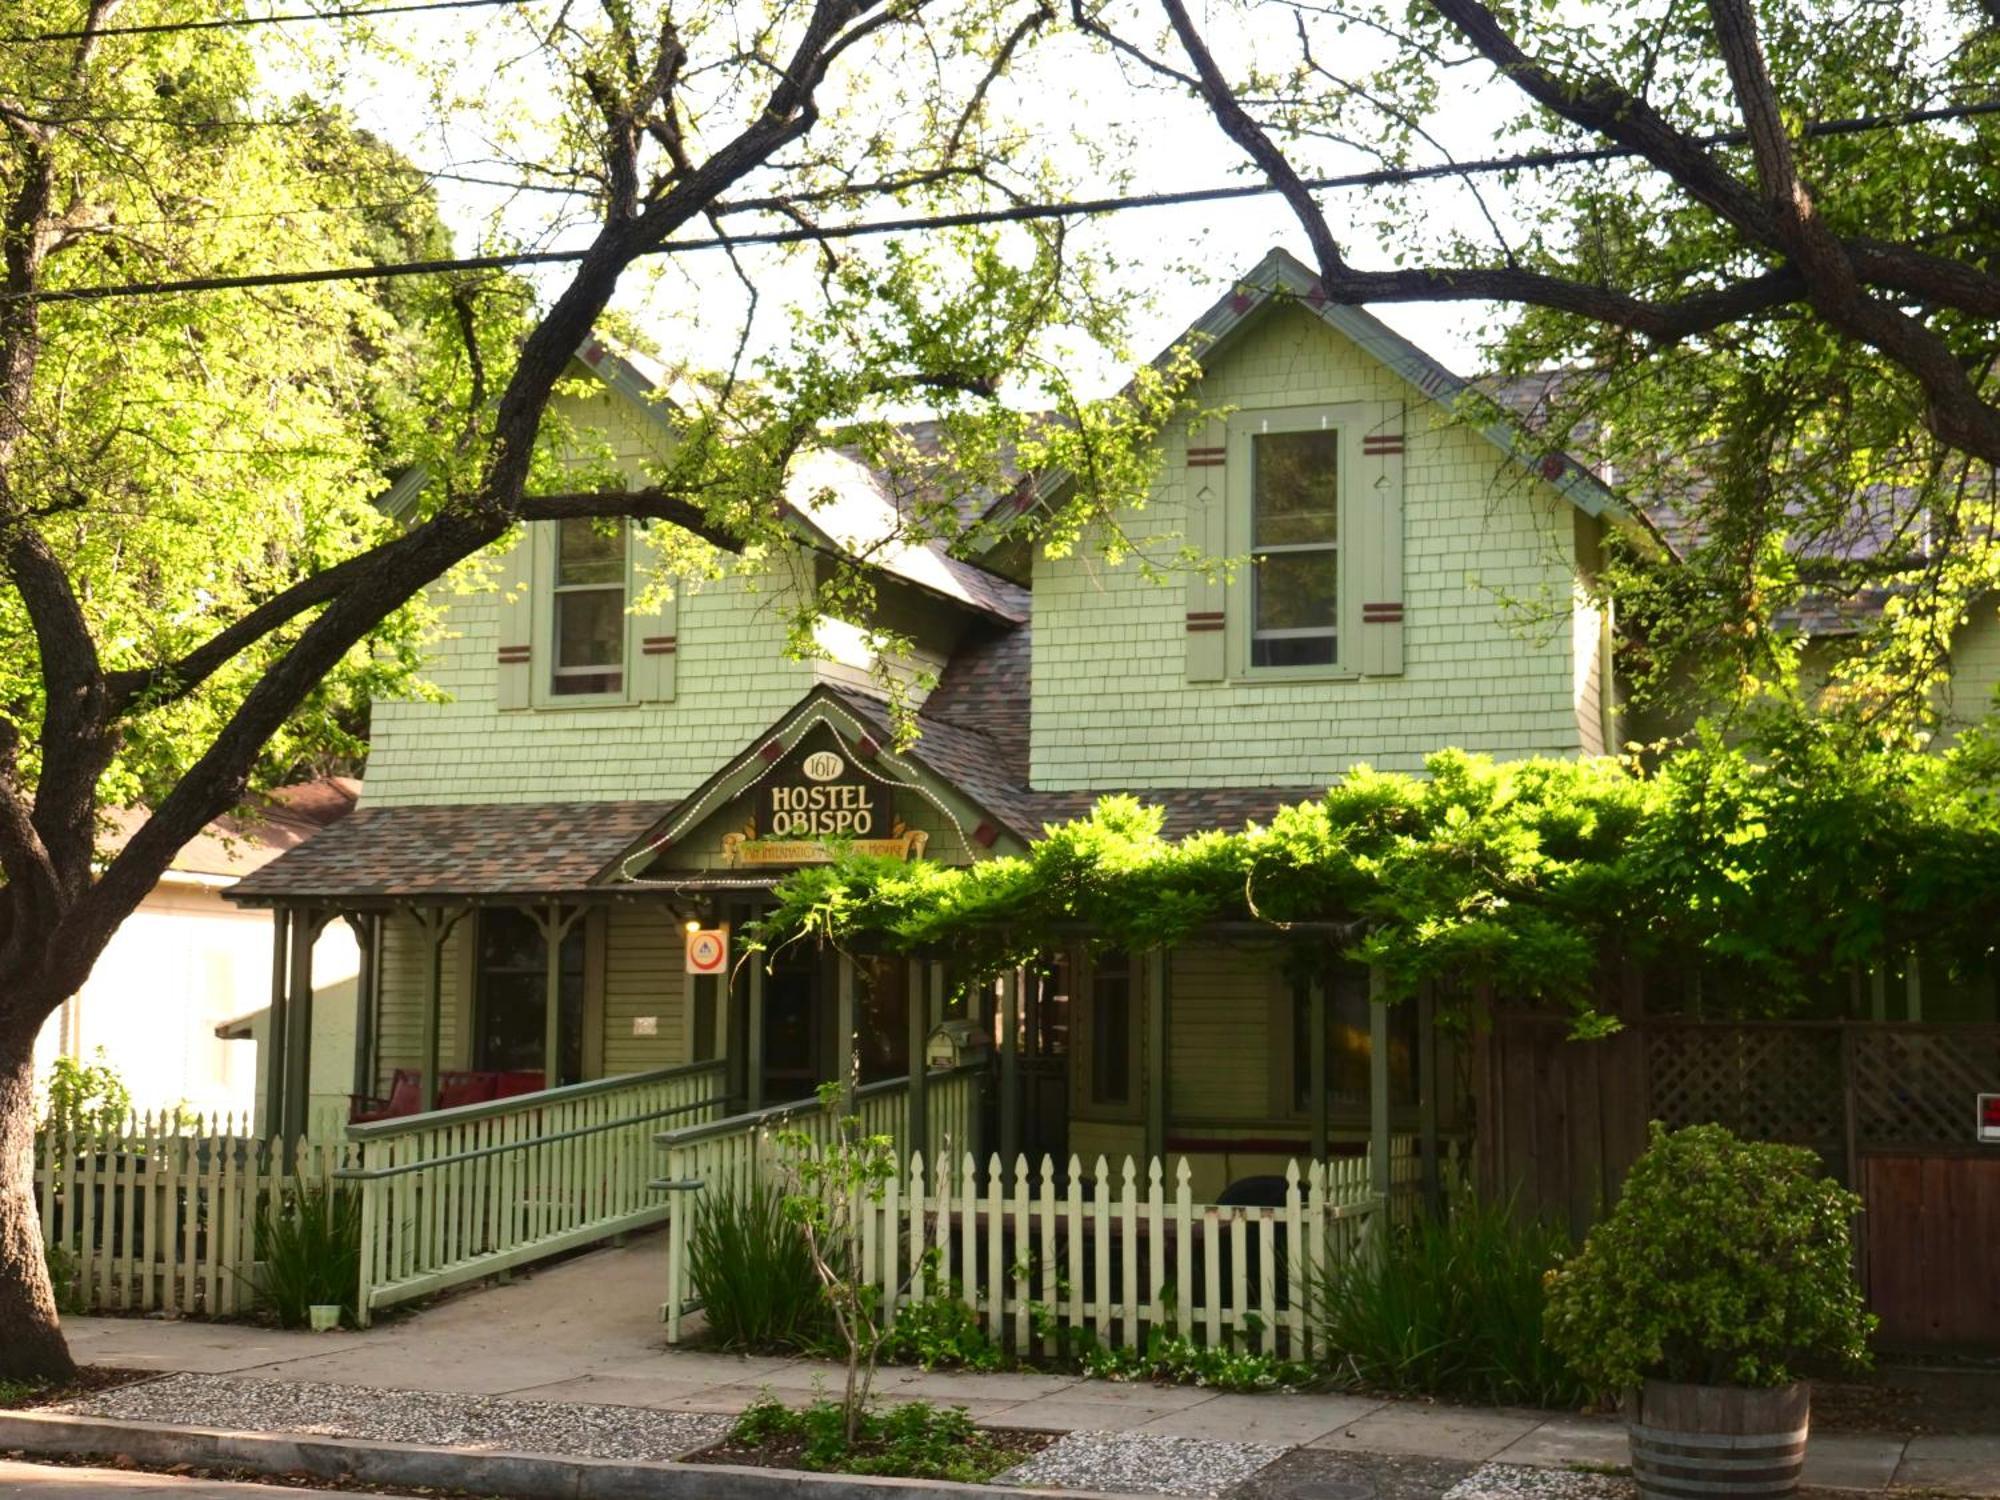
{"x":459,"y":1194}
{"x":1045,"y":1255}
{"x":159,"y":1211}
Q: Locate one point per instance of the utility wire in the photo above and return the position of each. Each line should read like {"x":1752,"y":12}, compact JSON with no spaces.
{"x":227,"y":23}
{"x":1019,"y":213}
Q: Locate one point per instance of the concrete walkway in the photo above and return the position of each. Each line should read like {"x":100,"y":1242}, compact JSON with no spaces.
{"x":587,"y":1331}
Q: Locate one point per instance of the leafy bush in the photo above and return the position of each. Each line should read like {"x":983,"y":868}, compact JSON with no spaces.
{"x":87,"y":1098}
{"x":750,"y":1268}
{"x":1174,"y":1359}
{"x":309,"y":1245}
{"x":65,"y":1280}
{"x":913,"y":1441}
{"x":1726,"y":1262}
{"x":943,"y":1331}
{"x":1455,"y":1307}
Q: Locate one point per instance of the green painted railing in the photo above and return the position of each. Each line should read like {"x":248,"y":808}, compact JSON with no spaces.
{"x":457,"y":1194}
{"x":725,"y":1155}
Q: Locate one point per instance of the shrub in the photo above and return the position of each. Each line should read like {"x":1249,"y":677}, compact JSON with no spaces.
{"x":1726,"y":1262}
{"x":309,"y":1245}
{"x":1454,"y":1307}
{"x":750,"y":1269}
{"x":912,"y":1441}
{"x":942,"y":1331}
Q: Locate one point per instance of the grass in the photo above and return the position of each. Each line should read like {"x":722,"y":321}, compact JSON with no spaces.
{"x":913,"y":1441}
{"x":1453,"y":1308}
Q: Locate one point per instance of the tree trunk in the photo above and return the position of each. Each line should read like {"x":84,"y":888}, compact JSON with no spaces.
{"x":31,"y":1341}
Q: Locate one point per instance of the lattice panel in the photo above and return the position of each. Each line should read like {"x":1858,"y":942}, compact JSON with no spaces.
{"x":1766,"y":1083}
{"x":1916,"y":1088}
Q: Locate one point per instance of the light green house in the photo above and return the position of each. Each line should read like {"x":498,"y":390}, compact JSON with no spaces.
{"x":532,"y":849}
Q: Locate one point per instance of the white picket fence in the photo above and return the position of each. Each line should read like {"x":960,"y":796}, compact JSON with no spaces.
{"x":159,"y":1211}
{"x":1042,"y":1253}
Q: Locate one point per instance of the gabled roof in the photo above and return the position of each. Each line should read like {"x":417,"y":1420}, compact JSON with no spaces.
{"x":1281,"y":273}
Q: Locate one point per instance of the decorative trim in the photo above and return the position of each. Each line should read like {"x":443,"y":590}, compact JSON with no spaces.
{"x":1204,"y":619}
{"x":513,"y":655}
{"x":1207,"y":458}
{"x":659,"y":645}
{"x":1382,"y":444}
{"x":1382,"y":614}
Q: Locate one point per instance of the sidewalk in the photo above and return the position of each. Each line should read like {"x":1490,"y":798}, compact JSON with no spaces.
{"x":567,"y":1349}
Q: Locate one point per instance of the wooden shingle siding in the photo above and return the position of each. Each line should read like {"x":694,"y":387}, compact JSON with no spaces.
{"x":1975,"y":668}
{"x":732,"y":680}
{"x":1488,"y":650}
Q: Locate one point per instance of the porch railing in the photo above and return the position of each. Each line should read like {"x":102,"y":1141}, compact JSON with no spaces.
{"x":725,"y":1155}
{"x":458,"y":1194}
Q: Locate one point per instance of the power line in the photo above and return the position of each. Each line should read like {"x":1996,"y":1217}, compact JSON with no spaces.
{"x":226,"y":23}
{"x":1019,"y":213}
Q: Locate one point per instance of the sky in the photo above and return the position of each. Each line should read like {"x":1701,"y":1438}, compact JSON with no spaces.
{"x":1180,"y":257}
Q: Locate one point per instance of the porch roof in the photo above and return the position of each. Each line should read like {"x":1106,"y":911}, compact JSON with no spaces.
{"x":544,"y":848}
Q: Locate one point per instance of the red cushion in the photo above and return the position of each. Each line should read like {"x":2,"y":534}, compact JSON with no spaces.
{"x":508,"y":1085}
{"x":403,"y":1100}
{"x":455,"y":1089}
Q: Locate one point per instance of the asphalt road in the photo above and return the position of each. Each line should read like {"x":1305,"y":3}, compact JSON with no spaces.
{"x":54,"y":1482}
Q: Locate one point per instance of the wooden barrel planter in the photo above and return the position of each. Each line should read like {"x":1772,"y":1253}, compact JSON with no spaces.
{"x":1708,"y":1442}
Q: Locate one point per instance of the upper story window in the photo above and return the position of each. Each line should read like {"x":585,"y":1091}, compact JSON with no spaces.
{"x":589,"y":589}
{"x":1295,"y":548}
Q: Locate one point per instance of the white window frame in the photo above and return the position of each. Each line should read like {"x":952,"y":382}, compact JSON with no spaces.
{"x":548,"y":544}
{"x":1240,"y":605}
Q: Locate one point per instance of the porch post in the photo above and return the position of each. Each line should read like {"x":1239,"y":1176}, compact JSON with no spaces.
{"x":753,"y":1047}
{"x":1010,"y":1065}
{"x":555,"y":929}
{"x":1156,"y":1054}
{"x":367,"y":929}
{"x":844,"y":1028}
{"x":1378,"y":1082}
{"x":916,"y":1002}
{"x":274,"y":1024}
{"x":305,"y":926}
{"x":1427,"y":1099}
{"x":1316,"y":1062}
{"x":435,"y":923}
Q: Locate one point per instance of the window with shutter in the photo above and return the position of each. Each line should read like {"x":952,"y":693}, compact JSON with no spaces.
{"x":588,"y":609}
{"x":1315,"y":521}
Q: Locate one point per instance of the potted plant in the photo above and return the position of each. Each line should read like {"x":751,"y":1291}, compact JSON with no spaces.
{"x":1725,"y":1265}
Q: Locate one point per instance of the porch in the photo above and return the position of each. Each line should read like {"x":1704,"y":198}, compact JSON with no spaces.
{"x":1105,"y":1093}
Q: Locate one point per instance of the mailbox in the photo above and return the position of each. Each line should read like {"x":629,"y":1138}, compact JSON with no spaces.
{"x":954,"y":1043}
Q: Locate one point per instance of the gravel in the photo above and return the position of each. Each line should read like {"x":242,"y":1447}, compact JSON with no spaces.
{"x":438,"y":1419}
{"x":1323,"y":1474}
{"x":1522,"y":1482}
{"x":1143,"y":1462}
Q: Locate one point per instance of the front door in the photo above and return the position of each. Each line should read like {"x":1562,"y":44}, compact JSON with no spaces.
{"x":797,"y":1019}
{"x":1044,"y":1062}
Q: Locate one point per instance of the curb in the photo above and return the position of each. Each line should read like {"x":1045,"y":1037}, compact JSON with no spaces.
{"x":516,"y":1476}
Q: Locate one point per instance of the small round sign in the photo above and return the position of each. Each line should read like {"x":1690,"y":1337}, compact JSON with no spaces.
{"x":823,"y":765}
{"x":707,"y":951}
